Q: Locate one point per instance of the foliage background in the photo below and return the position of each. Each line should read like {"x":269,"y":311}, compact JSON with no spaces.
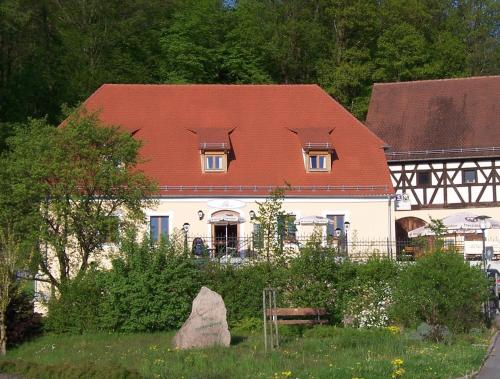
{"x":60,"y":51}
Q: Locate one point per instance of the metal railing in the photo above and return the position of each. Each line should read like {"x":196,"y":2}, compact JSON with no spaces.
{"x":214,"y":146}
{"x":269,"y":188}
{"x":442,"y":151}
{"x":220,"y":247}
{"x":318,"y":145}
{"x":251,"y":247}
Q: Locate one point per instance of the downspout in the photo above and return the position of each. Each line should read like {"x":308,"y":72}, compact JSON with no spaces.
{"x":389,"y":221}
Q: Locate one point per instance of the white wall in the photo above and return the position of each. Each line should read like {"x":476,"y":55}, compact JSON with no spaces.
{"x":370,"y":218}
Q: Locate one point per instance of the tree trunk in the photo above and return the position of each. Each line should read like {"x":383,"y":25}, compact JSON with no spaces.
{"x":3,"y":334}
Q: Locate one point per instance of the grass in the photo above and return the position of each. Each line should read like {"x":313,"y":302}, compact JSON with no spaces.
{"x":321,"y":352}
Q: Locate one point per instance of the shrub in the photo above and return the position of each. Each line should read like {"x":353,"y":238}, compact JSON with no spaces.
{"x":363,"y":289}
{"x":23,"y":323}
{"x":150,"y":288}
{"x":76,"y":308}
{"x":311,"y":278}
{"x":241,"y":287}
{"x":369,"y":306}
{"x":441,"y":290}
{"x":314,"y":278}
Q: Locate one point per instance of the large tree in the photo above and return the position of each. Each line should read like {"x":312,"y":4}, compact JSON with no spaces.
{"x":80,"y":177}
{"x":16,"y":243}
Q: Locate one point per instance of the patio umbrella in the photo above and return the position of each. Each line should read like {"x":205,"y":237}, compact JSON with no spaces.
{"x":464,"y":222}
{"x":312,"y":220}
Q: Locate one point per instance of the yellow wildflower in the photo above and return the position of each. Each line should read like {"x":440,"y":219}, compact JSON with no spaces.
{"x":397,"y":362}
{"x":398,"y":372}
{"x":393,"y":329}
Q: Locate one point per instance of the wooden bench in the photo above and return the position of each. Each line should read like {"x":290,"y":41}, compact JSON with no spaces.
{"x":290,"y":316}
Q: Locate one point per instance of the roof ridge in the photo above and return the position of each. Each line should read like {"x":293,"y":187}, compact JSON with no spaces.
{"x":207,"y":85}
{"x":437,"y":80}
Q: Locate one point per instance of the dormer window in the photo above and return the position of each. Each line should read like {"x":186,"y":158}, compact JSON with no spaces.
{"x":319,"y":161}
{"x":215,"y":162}
{"x":317,"y":148}
{"x":215,"y":146}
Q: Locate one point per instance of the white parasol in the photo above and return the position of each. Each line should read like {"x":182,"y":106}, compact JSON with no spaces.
{"x":464,"y":222}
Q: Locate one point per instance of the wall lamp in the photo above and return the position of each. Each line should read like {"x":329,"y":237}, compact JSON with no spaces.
{"x":201,"y":214}
{"x":185,"y":227}
{"x":347,"y":224}
{"x":252,"y":215}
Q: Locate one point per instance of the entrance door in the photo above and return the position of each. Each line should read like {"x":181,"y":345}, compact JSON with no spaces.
{"x":226,"y":239}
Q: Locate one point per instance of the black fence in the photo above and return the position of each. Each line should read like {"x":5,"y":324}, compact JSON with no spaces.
{"x":249,"y":247}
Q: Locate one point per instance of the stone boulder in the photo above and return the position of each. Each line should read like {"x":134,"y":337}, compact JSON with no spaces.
{"x":207,"y":323}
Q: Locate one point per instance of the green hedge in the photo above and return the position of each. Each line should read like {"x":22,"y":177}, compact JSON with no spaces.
{"x":151,"y":288}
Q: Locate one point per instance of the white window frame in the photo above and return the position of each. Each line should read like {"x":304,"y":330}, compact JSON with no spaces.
{"x":319,"y":157}
{"x":220,"y":158}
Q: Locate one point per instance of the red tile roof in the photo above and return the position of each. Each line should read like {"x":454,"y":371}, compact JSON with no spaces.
{"x":264,"y":151}
{"x":459,"y":116}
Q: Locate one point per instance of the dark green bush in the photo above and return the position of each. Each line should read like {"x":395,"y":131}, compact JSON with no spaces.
{"x":241,"y":287}
{"x":23,"y":323}
{"x":441,"y":290}
{"x":150,"y":288}
{"x":76,"y":308}
{"x":311,"y":279}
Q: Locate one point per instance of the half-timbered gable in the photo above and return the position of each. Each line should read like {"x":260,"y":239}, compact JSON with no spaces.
{"x":448,"y":184}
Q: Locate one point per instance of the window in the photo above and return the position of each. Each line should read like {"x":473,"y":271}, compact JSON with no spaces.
{"x":318,"y":162}
{"x":257,"y":237}
{"x":158,"y":227}
{"x":336,"y":221}
{"x":423,"y":178}
{"x":469,"y":176}
{"x":215,"y":162}
{"x":286,"y":228}
{"x":111,"y":229}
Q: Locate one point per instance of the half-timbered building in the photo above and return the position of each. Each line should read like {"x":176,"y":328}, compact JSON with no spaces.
{"x":443,"y":146}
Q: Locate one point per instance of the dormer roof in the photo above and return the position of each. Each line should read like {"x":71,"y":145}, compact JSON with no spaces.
{"x":213,"y":139}
{"x":317,"y":139}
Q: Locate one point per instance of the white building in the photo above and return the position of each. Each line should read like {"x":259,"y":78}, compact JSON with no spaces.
{"x":216,"y":150}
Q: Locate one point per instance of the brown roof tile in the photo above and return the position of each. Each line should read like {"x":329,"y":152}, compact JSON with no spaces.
{"x":460,"y":116}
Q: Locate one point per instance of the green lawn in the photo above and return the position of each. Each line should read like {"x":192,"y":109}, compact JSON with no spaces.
{"x":322,"y":352}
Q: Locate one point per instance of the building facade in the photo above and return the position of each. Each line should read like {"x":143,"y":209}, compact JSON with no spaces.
{"x":217,"y":150}
{"x":443,"y":147}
